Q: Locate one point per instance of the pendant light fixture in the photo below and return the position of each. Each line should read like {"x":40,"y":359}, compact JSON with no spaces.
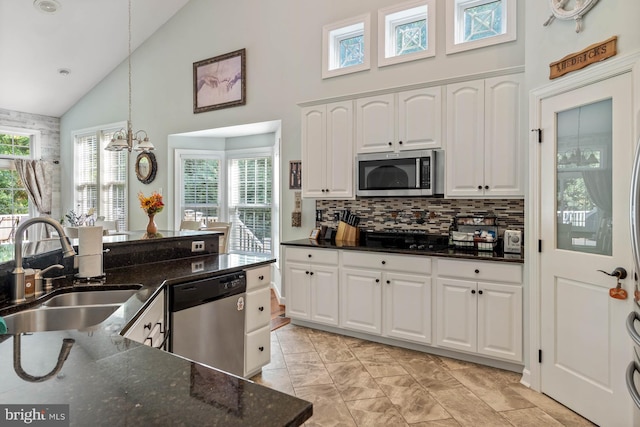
{"x":127,"y":139}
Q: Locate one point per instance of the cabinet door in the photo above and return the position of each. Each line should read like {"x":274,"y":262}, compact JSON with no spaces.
{"x":339,"y":151}
{"x":375,"y":124}
{"x":420,"y":119}
{"x":298,"y":288}
{"x":361,"y":301}
{"x":324,"y":295}
{"x":150,"y":324}
{"x":503,"y":148}
{"x":407,"y":307}
{"x":465,"y":139}
{"x":314,"y":128}
{"x":257,"y":352}
{"x":500,"y":320}
{"x":456,"y":308}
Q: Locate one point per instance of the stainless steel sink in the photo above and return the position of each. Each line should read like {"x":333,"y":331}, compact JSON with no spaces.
{"x":77,"y":298}
{"x":78,"y":309}
{"x":58,"y":318}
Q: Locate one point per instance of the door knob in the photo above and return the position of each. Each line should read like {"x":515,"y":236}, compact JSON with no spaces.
{"x":618,"y":292}
{"x":619,"y":272}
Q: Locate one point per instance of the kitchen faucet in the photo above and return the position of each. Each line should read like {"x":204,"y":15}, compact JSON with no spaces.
{"x":18,"y":272}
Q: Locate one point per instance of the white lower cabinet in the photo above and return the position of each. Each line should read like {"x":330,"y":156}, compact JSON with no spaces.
{"x":150,"y":328}
{"x":257,"y":352}
{"x":480,"y":316}
{"x":311,"y":280}
{"x":361,"y":300}
{"x":387,"y":295}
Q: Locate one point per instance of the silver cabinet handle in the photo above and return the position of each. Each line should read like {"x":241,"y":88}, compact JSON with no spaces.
{"x":631,"y":329}
{"x":631,"y":385}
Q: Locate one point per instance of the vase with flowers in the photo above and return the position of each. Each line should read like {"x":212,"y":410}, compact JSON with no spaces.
{"x":151,"y":205}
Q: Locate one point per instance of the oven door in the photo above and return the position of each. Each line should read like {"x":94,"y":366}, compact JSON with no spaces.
{"x":390,"y":177}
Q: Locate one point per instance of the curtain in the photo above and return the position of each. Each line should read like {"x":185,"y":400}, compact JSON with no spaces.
{"x":36,"y":176}
{"x":598,"y":183}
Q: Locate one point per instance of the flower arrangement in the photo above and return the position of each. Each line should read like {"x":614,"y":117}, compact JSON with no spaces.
{"x":152,"y":204}
{"x":78,"y":220}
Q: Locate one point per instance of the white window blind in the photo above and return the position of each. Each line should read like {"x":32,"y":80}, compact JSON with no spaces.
{"x":201,"y":189}
{"x":100,"y":177}
{"x":250,"y":204}
{"x":86,"y":177}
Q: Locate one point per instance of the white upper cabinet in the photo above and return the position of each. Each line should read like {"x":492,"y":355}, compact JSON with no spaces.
{"x":484,"y":138}
{"x":375,"y":124}
{"x":327,"y":151}
{"x":408,"y":120}
{"x":420,"y":119}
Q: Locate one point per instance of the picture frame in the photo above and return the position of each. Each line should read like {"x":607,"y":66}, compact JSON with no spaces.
{"x":295,"y":175}
{"x":220,"y":82}
{"x":315,"y":234}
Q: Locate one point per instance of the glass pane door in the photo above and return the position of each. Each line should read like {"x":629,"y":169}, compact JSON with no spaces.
{"x":584,"y":178}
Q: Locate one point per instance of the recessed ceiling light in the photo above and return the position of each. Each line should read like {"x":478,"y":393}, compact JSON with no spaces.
{"x":47,"y":6}
{"x":64,"y":72}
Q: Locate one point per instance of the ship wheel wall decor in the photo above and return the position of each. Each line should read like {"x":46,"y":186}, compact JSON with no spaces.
{"x":561,"y":9}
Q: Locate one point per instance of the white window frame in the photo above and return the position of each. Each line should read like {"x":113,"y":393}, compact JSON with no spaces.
{"x":390,"y":17}
{"x":251,"y":153}
{"x":6,"y":162}
{"x":455,"y":25}
{"x":332,"y":34}
{"x":99,"y":131}
{"x":224,"y":181}
{"x":181,"y":154}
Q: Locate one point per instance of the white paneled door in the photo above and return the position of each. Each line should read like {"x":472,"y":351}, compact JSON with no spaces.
{"x":586,"y":161}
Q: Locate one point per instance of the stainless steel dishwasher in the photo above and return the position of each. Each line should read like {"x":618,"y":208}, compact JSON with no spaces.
{"x":207,"y":321}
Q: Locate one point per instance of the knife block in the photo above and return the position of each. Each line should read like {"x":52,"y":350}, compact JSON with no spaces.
{"x":347,"y":233}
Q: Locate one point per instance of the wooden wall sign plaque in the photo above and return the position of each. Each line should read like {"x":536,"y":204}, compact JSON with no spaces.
{"x":575,"y":61}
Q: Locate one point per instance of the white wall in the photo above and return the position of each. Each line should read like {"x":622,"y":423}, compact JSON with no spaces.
{"x":545,"y":45}
{"x":283,"y":43}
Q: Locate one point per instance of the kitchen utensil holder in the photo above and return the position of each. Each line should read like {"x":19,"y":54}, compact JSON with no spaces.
{"x":347,"y":233}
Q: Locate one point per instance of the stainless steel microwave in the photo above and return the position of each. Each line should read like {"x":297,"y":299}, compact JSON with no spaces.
{"x":407,"y":173}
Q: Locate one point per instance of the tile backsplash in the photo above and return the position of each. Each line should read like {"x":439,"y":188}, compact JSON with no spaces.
{"x":432,"y":215}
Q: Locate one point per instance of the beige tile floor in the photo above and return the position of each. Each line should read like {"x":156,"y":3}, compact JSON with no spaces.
{"x":352,"y":382}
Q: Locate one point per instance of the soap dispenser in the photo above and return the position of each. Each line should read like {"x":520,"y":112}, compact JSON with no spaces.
{"x":38,"y":279}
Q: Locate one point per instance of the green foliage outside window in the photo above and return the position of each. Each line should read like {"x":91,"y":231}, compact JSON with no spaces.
{"x":13,"y":197}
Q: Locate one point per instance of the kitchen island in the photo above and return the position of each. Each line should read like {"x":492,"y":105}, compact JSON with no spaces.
{"x":110,"y":380}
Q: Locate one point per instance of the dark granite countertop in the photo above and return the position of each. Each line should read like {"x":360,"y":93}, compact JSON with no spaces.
{"x":110,"y":380}
{"x":446,"y":253}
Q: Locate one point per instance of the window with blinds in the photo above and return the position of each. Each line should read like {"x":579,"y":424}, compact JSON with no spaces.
{"x":201,"y":189}
{"x":100,"y":177}
{"x":250,"y":204}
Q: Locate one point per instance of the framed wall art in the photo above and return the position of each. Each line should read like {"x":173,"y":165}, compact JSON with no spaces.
{"x":295,"y":174}
{"x":220,"y":82}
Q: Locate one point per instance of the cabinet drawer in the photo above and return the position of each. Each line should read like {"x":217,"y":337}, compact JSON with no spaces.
{"x":477,"y":270}
{"x":258,"y":277}
{"x":315,"y":256}
{"x":387,"y":262}
{"x":257,"y":350}
{"x":258,"y":309}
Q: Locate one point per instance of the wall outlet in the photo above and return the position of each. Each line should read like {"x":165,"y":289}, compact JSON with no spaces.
{"x":197,"y":266}
{"x":197,"y":246}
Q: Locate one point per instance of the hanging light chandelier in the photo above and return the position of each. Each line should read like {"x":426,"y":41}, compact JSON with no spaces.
{"x":128,"y":139}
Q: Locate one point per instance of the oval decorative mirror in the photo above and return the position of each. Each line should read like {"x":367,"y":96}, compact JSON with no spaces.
{"x":146,"y":167}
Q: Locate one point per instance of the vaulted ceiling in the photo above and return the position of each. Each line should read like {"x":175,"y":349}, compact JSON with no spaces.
{"x":86,"y":37}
